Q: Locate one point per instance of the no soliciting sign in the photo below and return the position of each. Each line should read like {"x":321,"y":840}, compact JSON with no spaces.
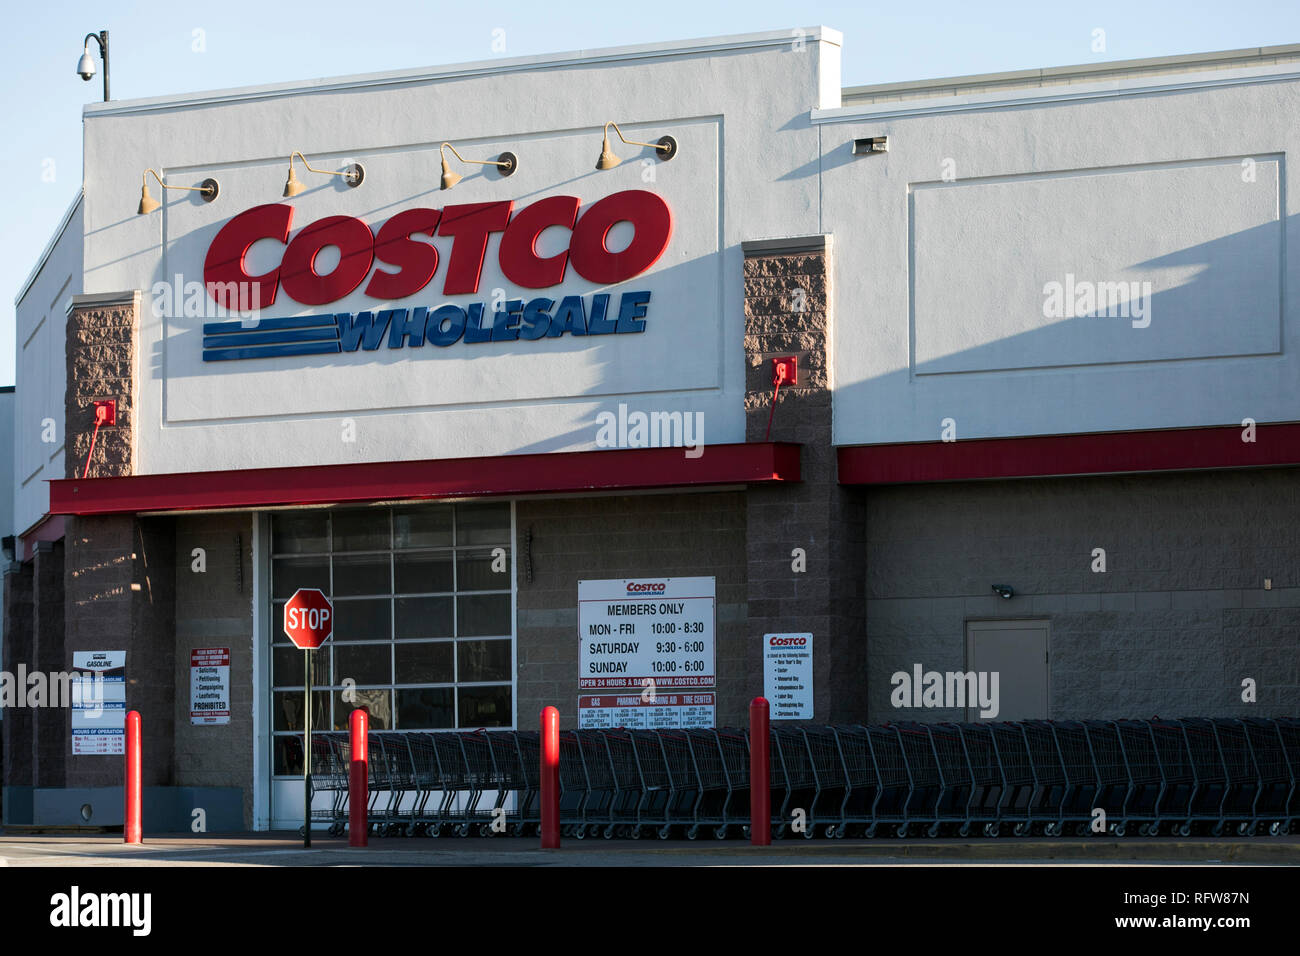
{"x":210,"y":685}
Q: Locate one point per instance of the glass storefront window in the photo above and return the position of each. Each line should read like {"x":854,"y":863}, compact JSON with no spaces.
{"x":423,"y":628}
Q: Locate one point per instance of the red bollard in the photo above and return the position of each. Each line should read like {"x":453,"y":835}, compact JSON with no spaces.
{"x":359,"y":779}
{"x":760,"y":774}
{"x":550,"y":778}
{"x":133,"y":829}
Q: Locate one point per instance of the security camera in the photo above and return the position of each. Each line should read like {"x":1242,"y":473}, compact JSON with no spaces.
{"x":86,"y":66}
{"x":1004,"y":591}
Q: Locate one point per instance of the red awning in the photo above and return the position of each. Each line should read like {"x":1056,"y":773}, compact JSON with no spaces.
{"x":615,"y":469}
{"x":1104,"y":453}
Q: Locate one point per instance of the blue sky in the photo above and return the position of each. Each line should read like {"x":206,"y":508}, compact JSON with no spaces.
{"x":155,"y":50}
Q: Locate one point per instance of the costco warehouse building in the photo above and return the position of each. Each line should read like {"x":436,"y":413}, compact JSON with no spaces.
{"x":1041,"y":419}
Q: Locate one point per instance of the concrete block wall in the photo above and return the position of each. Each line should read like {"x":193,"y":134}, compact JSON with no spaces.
{"x":1178,"y":619}
{"x":574,"y":539}
{"x":787,"y":312}
{"x":214,"y":608}
{"x":16,"y":726}
{"x":50,"y":724}
{"x":120,"y":585}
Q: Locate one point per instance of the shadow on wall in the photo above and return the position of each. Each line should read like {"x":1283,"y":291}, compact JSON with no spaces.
{"x":1095,"y":341}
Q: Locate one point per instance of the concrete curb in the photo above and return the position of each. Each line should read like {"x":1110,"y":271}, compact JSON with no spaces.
{"x":1221,"y":851}
{"x":1277,"y":851}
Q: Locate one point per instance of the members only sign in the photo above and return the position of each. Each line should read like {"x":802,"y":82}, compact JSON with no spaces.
{"x":636,"y":631}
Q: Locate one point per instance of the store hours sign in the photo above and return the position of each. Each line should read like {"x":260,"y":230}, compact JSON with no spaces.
{"x":634,"y":631}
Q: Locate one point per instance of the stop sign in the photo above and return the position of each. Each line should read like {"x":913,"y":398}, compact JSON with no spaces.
{"x":308,"y":619}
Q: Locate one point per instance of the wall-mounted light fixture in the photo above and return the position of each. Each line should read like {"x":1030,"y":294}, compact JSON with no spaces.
{"x":1004,"y":591}
{"x":352,"y":174}
{"x":86,"y":65}
{"x":506,"y":162}
{"x":871,"y":144}
{"x":666,"y":148}
{"x":208,"y":189}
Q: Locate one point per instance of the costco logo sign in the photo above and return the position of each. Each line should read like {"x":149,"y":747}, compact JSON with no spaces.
{"x":787,"y":641}
{"x":399,"y":260}
{"x":646,"y":587}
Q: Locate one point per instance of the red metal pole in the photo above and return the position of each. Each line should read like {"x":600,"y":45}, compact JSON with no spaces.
{"x":760,"y":774}
{"x":133,"y":830}
{"x":359,"y":780}
{"x":550,"y":774}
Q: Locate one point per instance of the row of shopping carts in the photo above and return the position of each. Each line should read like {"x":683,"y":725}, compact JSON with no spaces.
{"x":1049,"y":778}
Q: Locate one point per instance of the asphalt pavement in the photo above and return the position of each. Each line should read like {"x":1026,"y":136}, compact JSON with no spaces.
{"x":286,"y":849}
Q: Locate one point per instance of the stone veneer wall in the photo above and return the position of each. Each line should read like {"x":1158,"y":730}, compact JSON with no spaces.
{"x":788,"y":312}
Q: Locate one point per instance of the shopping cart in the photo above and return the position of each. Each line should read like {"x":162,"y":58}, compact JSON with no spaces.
{"x":512,"y":779}
{"x":1028,"y":776}
{"x":530,"y":757}
{"x":924,"y":782}
{"x":1081,"y":780}
{"x":715,"y":786}
{"x":1113,"y":781}
{"x":827,"y":809}
{"x":1146,"y":781}
{"x":1020,"y":800}
{"x":1289,"y":730}
{"x":1242,"y":786}
{"x":986,"y":780}
{"x":1046,"y":807}
{"x":733,"y":745}
{"x":1184,"y":774}
{"x":626,"y":803}
{"x":862,"y":785}
{"x":456,"y":785}
{"x":655,"y":805}
{"x":393,"y":774}
{"x":1276,"y":781}
{"x":792,"y":763}
{"x":329,"y":774}
{"x":428,"y":781}
{"x":895,"y":785}
{"x":955,"y":779}
{"x":574,"y":789}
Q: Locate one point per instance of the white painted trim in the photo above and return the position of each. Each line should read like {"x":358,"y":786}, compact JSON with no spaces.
{"x":1079,"y":72}
{"x":550,"y":61}
{"x":261,"y":710}
{"x":1113,"y":89}
{"x":514,"y":618}
{"x":49,"y":247}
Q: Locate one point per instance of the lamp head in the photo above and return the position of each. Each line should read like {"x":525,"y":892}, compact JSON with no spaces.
{"x":449,"y":178}
{"x":147,"y":203}
{"x":86,"y":65}
{"x":293,"y":185}
{"x":607,"y":158}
